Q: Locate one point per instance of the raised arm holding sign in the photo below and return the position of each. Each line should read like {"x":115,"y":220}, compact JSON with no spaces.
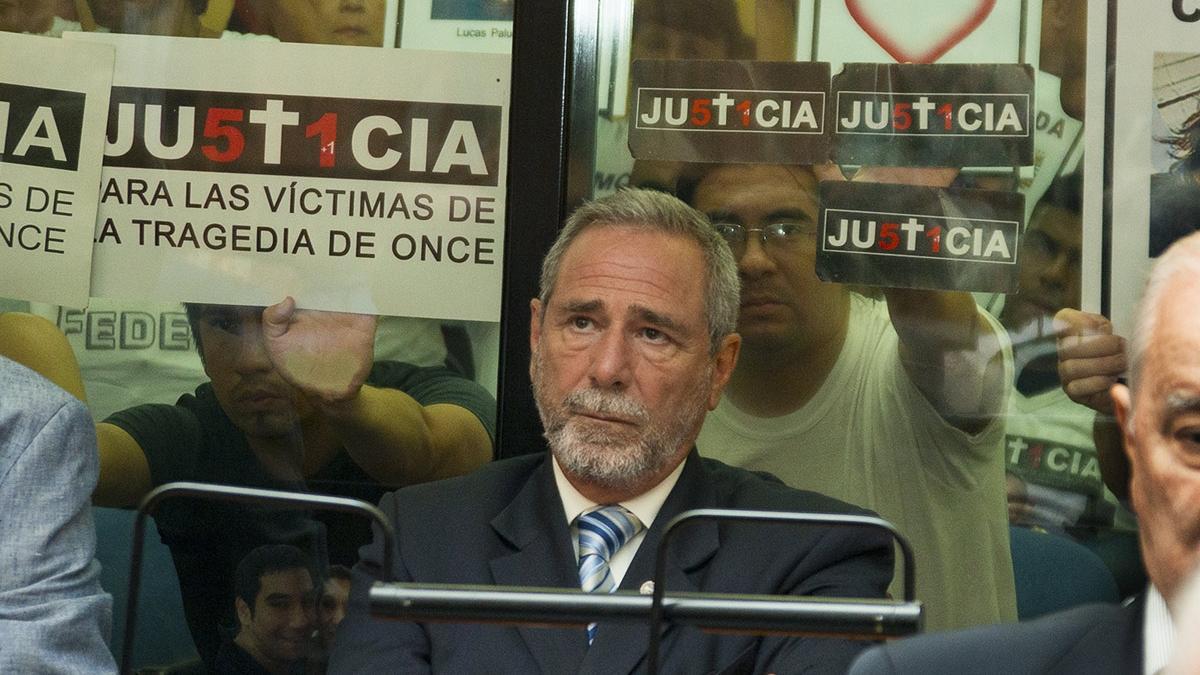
{"x":948,"y":349}
{"x":891,"y":405}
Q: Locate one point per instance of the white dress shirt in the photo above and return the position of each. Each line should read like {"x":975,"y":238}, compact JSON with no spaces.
{"x":1158,"y":633}
{"x":645,"y":506}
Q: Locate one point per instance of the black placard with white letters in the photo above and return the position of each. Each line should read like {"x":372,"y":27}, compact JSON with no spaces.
{"x":40,"y":126}
{"x":729,"y":111}
{"x":909,"y":236}
{"x":933,"y":115}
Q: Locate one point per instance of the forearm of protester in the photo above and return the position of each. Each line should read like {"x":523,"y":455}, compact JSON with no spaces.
{"x":124,"y":471}
{"x":398,"y":441}
{"x":951,"y":353}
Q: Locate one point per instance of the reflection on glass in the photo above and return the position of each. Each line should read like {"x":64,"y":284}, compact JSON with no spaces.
{"x":29,"y":16}
{"x":471,"y":10}
{"x":827,"y":393}
{"x":663,"y":29}
{"x":182,"y":18}
{"x":846,"y":395}
{"x":294,"y":400}
{"x":344,"y":22}
{"x":330,"y":403}
{"x":275,"y":592}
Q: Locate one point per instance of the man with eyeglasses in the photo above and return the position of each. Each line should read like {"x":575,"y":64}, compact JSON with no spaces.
{"x":888,"y":403}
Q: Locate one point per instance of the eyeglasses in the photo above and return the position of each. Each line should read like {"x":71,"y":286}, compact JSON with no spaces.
{"x":781,"y":236}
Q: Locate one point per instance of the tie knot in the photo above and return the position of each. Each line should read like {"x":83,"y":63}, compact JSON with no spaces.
{"x":603,"y":531}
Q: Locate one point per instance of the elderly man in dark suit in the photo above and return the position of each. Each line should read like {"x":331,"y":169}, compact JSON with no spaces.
{"x":632,"y":341}
{"x":1159,"y":416}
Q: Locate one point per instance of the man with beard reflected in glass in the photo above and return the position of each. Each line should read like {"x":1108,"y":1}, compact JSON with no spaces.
{"x":633,"y":339}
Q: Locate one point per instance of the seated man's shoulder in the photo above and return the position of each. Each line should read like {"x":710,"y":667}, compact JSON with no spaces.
{"x":31,"y":396}
{"x":484,"y":490}
{"x":1093,"y":633}
{"x":744,"y":489}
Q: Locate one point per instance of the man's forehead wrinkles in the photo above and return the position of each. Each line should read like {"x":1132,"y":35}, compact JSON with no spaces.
{"x":619,"y":268}
{"x":658,"y":317}
{"x":657,"y":285}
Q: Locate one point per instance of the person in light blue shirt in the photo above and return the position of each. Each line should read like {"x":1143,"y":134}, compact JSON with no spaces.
{"x":54,"y":617}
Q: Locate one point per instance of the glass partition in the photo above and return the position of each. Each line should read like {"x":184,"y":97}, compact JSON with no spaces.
{"x":917,"y":387}
{"x":224,"y":156}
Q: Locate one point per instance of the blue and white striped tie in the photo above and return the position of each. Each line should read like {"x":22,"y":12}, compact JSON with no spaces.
{"x":601,"y":533}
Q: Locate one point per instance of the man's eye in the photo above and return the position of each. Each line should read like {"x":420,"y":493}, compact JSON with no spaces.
{"x":581,"y":323}
{"x":223,"y":323}
{"x":1189,"y":435}
{"x":1187,"y":439}
{"x":1042,"y":244}
{"x":730,"y":231}
{"x":791,"y":229}
{"x":654,"y":335}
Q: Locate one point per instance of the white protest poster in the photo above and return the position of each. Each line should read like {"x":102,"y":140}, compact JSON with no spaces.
{"x":53,"y":107}
{"x":1155,"y":195}
{"x":352,"y":179}
{"x":458,"y":25}
{"x":918,"y":31}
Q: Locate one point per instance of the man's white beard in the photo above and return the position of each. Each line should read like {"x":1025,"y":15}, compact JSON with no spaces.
{"x":608,"y":455}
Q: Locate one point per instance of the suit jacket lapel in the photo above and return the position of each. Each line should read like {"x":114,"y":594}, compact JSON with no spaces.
{"x":1133,"y":649}
{"x":1113,"y":644}
{"x":533,"y":525}
{"x":620,"y":648}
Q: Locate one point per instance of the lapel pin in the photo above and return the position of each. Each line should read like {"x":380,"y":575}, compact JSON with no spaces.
{"x":647,"y":588}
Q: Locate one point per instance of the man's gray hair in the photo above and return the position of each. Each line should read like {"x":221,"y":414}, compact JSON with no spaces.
{"x":1182,"y":258}
{"x":657,"y":212}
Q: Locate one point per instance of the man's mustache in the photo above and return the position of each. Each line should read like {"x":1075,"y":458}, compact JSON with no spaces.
{"x":607,"y":404}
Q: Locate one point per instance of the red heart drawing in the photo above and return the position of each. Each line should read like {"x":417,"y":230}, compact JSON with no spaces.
{"x":970,"y":22}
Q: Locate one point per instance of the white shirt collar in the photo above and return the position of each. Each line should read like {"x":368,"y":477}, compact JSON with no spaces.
{"x":1158,"y":633}
{"x":645,"y":506}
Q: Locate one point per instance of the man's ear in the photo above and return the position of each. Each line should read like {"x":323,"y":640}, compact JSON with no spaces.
{"x":245,"y":616}
{"x":535,"y":328}
{"x":724,"y":361}
{"x":1123,"y":410}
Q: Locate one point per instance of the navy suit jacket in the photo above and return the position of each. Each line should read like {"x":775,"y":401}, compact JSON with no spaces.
{"x":504,"y":524}
{"x":1092,"y":639}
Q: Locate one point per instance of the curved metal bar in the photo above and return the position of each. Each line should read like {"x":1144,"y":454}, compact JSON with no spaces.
{"x":829,"y":519}
{"x":233,"y":493}
{"x":791,"y":615}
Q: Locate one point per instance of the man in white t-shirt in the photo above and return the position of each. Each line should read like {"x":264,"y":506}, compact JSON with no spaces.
{"x":893,"y":405}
